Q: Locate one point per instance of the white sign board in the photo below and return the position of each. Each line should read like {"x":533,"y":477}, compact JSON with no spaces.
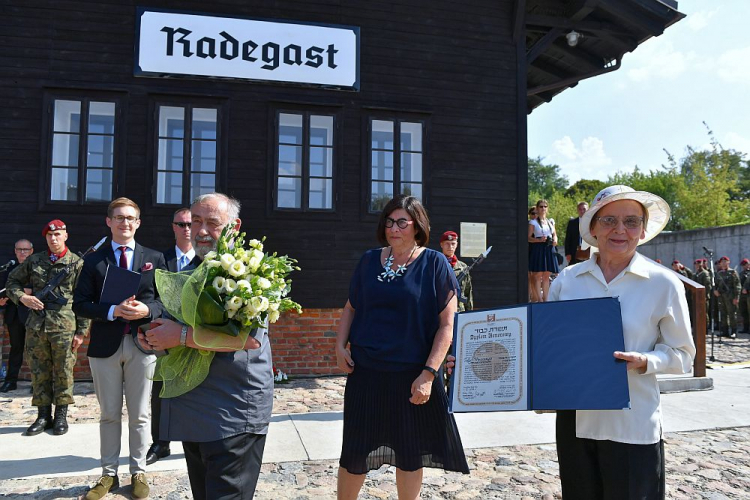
{"x":173,"y":43}
{"x":473,"y":238}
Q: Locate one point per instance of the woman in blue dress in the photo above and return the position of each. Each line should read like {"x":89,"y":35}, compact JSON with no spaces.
{"x":542,"y":237}
{"x":398,"y":324}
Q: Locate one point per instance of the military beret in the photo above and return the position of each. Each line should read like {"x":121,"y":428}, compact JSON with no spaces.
{"x":725,"y":258}
{"x":744,"y":261}
{"x":675,"y":262}
{"x":54,"y":225}
{"x":697,"y":261}
{"x":449,"y":236}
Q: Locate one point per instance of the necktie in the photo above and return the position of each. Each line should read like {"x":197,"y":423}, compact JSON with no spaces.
{"x":124,"y":265}
{"x":183,"y":262}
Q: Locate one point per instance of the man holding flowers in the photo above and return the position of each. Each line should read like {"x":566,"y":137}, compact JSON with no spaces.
{"x":223,"y":420}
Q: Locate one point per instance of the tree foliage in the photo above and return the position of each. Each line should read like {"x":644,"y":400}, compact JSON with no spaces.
{"x":545,"y":179}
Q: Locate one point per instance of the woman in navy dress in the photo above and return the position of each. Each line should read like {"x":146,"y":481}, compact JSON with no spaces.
{"x":542,"y":261}
{"x":398,"y":324}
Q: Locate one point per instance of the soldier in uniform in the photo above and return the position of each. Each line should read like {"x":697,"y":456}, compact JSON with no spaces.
{"x":703,"y":277}
{"x":745,"y":295}
{"x":449,"y":242}
{"x":53,"y":332}
{"x":727,"y":290}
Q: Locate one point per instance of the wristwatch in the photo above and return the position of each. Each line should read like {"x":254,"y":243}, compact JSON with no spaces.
{"x":431,"y":370}
{"x":183,"y":335}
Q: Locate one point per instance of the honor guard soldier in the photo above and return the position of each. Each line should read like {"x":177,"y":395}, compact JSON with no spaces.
{"x":728,"y":292}
{"x":745,"y":295}
{"x":53,"y":332}
{"x":703,"y":277}
{"x":449,"y":243}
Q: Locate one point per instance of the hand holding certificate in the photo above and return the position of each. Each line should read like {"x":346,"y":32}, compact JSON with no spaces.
{"x":550,"y":355}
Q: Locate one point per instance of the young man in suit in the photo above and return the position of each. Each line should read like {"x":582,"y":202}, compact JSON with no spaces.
{"x":115,"y":360}
{"x":177,"y":258}
{"x":573,"y":236}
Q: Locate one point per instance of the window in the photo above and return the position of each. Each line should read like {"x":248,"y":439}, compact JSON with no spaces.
{"x":395,"y":165}
{"x":81,"y":165}
{"x":187,"y":159}
{"x":304,"y":161}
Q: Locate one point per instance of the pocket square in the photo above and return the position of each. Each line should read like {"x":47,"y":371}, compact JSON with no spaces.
{"x":147,"y":267}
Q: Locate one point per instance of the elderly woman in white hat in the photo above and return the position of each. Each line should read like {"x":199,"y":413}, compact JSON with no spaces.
{"x":619,"y":454}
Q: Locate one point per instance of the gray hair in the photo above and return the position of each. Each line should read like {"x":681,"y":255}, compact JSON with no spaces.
{"x":233,"y":205}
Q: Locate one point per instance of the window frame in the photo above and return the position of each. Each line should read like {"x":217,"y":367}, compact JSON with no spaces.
{"x":306,"y":111}
{"x":397,"y":118}
{"x":188,"y":103}
{"x":85,"y":97}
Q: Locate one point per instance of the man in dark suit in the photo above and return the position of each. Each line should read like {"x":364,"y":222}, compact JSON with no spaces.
{"x":177,"y":258}
{"x":115,"y":360}
{"x":573,"y":237}
{"x":15,"y":318}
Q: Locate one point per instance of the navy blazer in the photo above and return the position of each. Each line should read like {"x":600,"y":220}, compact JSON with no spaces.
{"x":170,"y":256}
{"x":106,"y":335}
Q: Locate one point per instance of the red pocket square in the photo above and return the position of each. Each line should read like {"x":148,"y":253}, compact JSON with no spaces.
{"x":147,"y":267}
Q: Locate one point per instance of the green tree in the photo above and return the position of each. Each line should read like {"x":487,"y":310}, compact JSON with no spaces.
{"x":585,"y":189}
{"x":545,"y":179}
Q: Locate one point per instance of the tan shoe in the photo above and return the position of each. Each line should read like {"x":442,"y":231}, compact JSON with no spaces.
{"x":102,"y":487}
{"x":139,"y":485}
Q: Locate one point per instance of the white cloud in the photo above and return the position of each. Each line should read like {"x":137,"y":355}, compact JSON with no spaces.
{"x":734,"y":66}
{"x":735,"y":141}
{"x":699,"y":20}
{"x":659,"y":59}
{"x":589,"y":161}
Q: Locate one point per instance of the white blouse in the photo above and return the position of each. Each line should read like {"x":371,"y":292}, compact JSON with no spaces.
{"x":545,"y":229}
{"x":655,"y":322}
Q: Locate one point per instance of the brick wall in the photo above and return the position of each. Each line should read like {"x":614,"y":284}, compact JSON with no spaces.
{"x":302,"y":345}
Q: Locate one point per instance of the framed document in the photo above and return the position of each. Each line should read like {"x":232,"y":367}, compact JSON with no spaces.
{"x":541,"y":356}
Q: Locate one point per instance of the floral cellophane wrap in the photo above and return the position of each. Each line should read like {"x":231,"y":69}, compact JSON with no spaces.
{"x":261,"y":297}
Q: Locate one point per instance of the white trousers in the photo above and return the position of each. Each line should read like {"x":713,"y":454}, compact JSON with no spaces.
{"x":131,"y":371}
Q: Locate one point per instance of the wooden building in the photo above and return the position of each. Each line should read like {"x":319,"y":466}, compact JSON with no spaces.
{"x":311,"y":113}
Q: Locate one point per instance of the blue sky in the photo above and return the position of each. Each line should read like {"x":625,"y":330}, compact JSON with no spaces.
{"x":697,"y":70}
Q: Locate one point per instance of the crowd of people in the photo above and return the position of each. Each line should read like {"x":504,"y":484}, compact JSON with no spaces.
{"x":393,"y":337}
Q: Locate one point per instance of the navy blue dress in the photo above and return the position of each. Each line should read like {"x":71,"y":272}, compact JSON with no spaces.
{"x":391,"y":337}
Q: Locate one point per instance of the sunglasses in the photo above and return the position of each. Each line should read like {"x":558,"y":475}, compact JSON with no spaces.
{"x":183,"y":225}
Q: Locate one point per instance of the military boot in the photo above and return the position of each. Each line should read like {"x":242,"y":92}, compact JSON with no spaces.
{"x":60,"y":425}
{"x":43,"y":421}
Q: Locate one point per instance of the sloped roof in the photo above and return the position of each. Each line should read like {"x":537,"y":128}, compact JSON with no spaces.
{"x":609,"y":29}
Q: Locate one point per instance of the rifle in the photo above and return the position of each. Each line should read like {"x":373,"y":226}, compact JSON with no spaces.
{"x":461,"y":277}
{"x":53,"y":301}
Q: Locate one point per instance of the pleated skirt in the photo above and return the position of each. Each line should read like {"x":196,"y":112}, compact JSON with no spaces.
{"x":382,"y":427}
{"x":542,"y":258}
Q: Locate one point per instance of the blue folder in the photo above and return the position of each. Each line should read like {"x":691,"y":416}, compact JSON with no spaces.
{"x":569,"y":353}
{"x":119,"y":284}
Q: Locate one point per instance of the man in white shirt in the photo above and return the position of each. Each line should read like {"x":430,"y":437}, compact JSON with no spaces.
{"x":177,"y":258}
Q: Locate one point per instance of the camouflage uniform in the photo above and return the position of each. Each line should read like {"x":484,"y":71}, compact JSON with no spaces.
{"x":728,"y":286}
{"x":704,"y":278}
{"x":49,"y":333}
{"x":466,"y":291}
{"x":745,"y":300}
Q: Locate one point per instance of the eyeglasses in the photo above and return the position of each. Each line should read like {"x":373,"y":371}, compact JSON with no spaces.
{"x":183,"y":225}
{"x":401,"y":223}
{"x":24,"y":249}
{"x":122,"y":218}
{"x":630,"y":222}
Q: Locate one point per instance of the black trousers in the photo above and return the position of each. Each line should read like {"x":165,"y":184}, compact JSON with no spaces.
{"x":156,"y":412}
{"x":17,"y":334}
{"x":227,"y":469}
{"x":607,"y":470}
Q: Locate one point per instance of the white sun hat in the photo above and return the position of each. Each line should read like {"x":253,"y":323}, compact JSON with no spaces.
{"x":658,"y":210}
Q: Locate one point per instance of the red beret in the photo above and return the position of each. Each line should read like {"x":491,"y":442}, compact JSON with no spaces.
{"x":675,"y":262}
{"x":449,"y":236}
{"x":744,"y":261}
{"x":54,"y":225}
{"x":725,"y":258}
{"x":697,"y":261}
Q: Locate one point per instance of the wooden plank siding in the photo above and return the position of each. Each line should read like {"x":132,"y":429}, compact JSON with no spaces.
{"x":452,"y":64}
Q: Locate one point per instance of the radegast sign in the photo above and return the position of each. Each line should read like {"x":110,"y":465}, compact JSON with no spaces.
{"x":172,"y":43}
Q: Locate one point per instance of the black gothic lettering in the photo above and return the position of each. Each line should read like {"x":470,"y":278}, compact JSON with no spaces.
{"x":230,"y":47}
{"x":207,"y":43}
{"x":270,"y":55}
{"x":293,"y":54}
{"x":331,"y":51}
{"x":247,"y":49}
{"x":314,"y":59}
{"x":171,"y":41}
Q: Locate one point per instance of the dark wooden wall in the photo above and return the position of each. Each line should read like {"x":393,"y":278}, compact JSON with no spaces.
{"x":453,"y":63}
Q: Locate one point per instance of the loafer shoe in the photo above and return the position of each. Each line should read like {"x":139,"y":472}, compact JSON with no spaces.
{"x":156,"y":452}
{"x":139,"y":485}
{"x":102,"y":487}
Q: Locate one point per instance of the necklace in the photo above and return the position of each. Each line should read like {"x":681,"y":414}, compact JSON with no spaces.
{"x":389,"y":274}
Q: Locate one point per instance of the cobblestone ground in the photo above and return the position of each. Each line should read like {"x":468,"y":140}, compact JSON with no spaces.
{"x":710,"y":465}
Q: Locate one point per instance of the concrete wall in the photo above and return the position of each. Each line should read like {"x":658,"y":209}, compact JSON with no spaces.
{"x":686,"y":246}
